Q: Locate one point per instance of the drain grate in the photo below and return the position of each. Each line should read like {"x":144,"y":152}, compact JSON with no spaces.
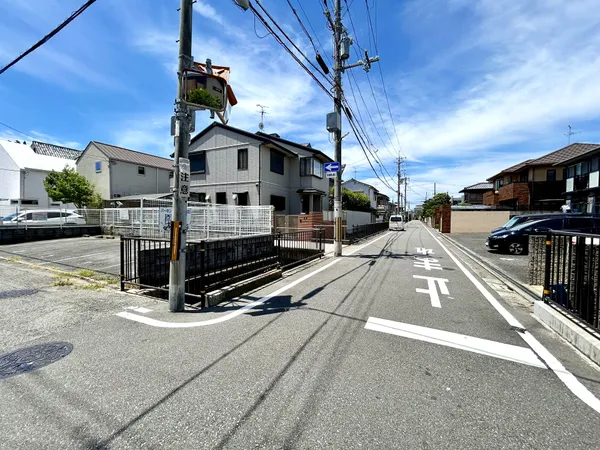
{"x":32,"y":358}
{"x":17,"y":293}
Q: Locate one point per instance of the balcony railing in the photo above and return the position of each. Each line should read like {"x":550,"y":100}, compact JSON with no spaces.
{"x":581,"y":182}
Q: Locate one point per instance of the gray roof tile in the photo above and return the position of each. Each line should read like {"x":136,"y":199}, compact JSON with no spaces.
{"x":481,"y":186}
{"x":43,"y":148}
{"x":134,"y":157}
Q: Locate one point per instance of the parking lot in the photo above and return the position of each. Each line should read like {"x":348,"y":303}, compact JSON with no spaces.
{"x":93,"y":253}
{"x":515,"y":266}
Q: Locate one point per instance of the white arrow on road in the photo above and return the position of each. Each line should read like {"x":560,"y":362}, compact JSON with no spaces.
{"x":500,"y":350}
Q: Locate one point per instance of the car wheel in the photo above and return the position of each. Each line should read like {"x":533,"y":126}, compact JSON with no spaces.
{"x":516,"y":248}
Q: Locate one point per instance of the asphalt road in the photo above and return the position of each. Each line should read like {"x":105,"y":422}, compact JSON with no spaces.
{"x":353,"y":352}
{"x":516,"y":266}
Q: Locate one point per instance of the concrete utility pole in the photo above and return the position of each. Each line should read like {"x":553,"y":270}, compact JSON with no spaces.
{"x":182,"y":140}
{"x":341,"y":51}
{"x":337,"y":137}
{"x":405,"y":198}
{"x":434,"y":189}
{"x":399,"y":183}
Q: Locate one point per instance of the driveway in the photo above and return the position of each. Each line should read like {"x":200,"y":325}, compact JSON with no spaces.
{"x":515,"y":266}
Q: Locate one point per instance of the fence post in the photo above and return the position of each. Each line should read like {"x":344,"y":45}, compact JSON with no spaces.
{"x":321,"y":243}
{"x":279,"y":248}
{"x":546,"y":295}
{"x":122,"y":245}
{"x":142,"y":213}
{"x":203,"y":273}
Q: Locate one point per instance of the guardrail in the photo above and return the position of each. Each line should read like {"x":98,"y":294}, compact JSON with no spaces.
{"x":572,"y":273}
{"x":362,"y":231}
{"x":211,"y":265}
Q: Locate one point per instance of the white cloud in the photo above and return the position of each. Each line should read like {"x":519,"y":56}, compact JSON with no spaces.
{"x":206,"y":10}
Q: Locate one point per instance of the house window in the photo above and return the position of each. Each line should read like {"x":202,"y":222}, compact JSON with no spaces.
{"x":25,"y":202}
{"x":594,"y":166}
{"x":278,"y":202}
{"x":277,"y":162}
{"x":170,"y":174}
{"x":311,"y":166}
{"x":202,"y":197}
{"x":498,"y":183}
{"x":571,"y":172}
{"x":523,"y":178}
{"x":221,"y":198}
{"x":242,"y":199}
{"x":98,"y":166}
{"x":551,"y":175}
{"x":141,"y":170}
{"x":585,"y":168}
{"x":198,"y":163}
{"x":243,"y":159}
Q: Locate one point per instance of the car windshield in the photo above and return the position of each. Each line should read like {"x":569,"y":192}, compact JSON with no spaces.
{"x":511,"y":222}
{"x":395,"y":219}
{"x":526,"y":224}
{"x":9,"y":217}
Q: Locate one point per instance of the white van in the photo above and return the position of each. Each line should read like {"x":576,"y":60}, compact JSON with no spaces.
{"x":44,"y":217}
{"x":396,"y":223}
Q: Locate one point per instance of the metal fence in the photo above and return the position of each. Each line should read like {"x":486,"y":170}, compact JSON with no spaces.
{"x":572,"y":273}
{"x":211,"y":265}
{"x":205,"y":221}
{"x":358,"y":232}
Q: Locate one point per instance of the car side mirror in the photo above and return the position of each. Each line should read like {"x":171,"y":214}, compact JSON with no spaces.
{"x":541,"y":230}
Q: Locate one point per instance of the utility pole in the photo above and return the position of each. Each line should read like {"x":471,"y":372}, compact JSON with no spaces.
{"x":182,"y":140}
{"x":341,"y":52}
{"x":405,"y":198}
{"x":434,"y":189}
{"x":399,"y":183}
{"x":337,"y":137}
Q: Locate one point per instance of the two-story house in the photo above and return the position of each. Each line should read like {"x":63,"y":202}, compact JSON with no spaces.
{"x":117,"y":172}
{"x":582,"y":187}
{"x":23,"y":169}
{"x":360,"y":186}
{"x":233,"y":166}
{"x":474,"y":194}
{"x":534,"y":184}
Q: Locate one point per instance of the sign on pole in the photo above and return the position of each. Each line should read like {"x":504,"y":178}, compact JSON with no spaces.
{"x":184,"y":178}
{"x":165,"y":216}
{"x":332,"y":167}
{"x":330,"y":174}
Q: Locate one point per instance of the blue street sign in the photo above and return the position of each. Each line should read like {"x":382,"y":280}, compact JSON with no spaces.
{"x":332,"y":167}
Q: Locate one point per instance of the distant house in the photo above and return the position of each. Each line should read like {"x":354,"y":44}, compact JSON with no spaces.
{"x":360,"y":186}
{"x":535,"y":184}
{"x":582,"y":187}
{"x":474,"y":194}
{"x":117,"y":172}
{"x":233,"y":166}
{"x":22,"y":174}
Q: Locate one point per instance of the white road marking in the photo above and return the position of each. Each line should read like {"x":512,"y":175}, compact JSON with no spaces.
{"x":139,"y":309}
{"x":231,"y":315}
{"x":570,"y":381}
{"x":507,"y":259}
{"x":427,"y":264}
{"x":500,"y":350}
{"x":74,"y":257}
{"x":424,"y":251}
{"x":432,"y":290}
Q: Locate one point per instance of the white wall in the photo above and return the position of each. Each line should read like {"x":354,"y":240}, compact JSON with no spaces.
{"x":86,"y":166}
{"x":10,"y":177}
{"x":125,"y":180}
{"x":357,"y":218}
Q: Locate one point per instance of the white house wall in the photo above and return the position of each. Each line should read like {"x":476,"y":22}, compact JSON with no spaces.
{"x":353,"y":186}
{"x":86,"y":166}
{"x":10,"y":177}
{"x":125,"y":179}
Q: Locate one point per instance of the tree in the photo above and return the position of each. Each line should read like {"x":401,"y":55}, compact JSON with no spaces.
{"x":353,"y":201}
{"x":68,"y":186}
{"x":437,"y":200}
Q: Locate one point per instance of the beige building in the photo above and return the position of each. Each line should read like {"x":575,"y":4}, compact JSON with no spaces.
{"x":118,"y":172}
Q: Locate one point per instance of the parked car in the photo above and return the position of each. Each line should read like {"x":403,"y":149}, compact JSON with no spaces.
{"x":44,"y":217}
{"x":517,"y":220}
{"x":396,"y":223}
{"x":516,"y":239}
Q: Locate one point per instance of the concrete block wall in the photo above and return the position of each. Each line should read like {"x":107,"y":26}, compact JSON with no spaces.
{"x":537,"y":260}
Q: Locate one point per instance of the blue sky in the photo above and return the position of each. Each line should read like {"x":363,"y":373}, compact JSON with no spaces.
{"x":474,"y":86}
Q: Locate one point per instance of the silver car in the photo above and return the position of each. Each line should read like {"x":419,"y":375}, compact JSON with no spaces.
{"x":44,"y":217}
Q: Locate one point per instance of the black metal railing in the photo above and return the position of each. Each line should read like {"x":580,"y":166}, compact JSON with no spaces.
{"x":358,"y":232}
{"x":572,"y":273}
{"x":211,"y":265}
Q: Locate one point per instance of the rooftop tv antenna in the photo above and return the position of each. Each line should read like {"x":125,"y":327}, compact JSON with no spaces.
{"x":261,"y":125}
{"x":570,"y":133}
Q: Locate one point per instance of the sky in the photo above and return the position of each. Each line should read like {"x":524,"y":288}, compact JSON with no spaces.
{"x":463,"y":89}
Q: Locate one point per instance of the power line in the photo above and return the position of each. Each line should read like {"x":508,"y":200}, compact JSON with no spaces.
{"x":314,"y":32}
{"x":18,"y":131}
{"x":286,"y":48}
{"x":371,"y":26}
{"x":49,"y":36}
{"x":288,"y":38}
